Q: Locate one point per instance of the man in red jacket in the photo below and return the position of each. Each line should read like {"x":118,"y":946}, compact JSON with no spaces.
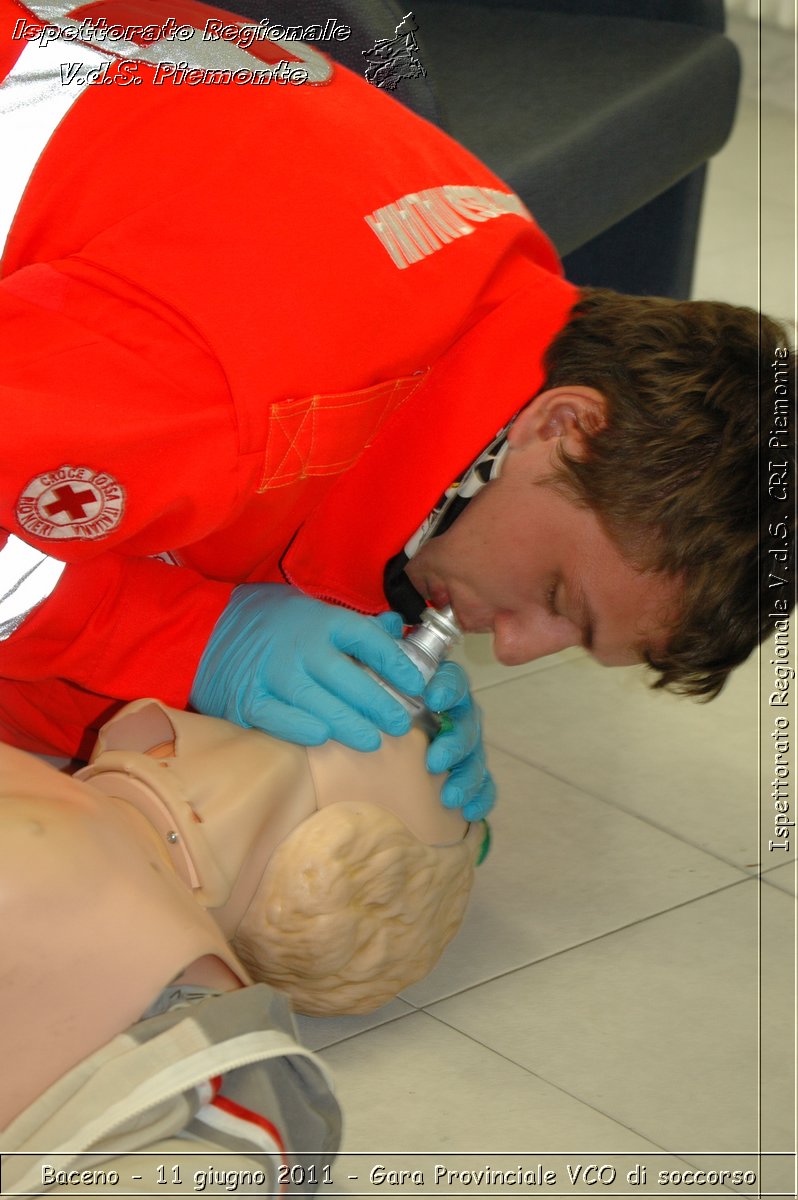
{"x":279,"y":355}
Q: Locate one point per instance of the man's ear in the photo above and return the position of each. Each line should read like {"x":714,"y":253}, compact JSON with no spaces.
{"x":569,"y":413}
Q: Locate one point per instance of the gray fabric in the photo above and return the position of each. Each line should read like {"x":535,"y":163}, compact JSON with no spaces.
{"x":586,"y":117}
{"x":591,"y":109}
{"x":368,"y":20}
{"x":667,"y":229}
{"x":147,"y":1088}
{"x":594,"y":111}
{"x":707,"y":13}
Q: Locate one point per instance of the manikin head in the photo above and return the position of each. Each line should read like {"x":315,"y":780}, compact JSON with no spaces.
{"x":338,"y":877}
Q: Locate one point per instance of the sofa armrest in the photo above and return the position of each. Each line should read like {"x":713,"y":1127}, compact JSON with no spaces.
{"x":706,"y":14}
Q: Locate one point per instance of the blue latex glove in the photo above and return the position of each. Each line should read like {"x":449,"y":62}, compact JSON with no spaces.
{"x":280,"y":661}
{"x":458,"y":747}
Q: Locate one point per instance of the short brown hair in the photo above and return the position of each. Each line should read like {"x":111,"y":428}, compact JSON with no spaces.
{"x":675,"y":476}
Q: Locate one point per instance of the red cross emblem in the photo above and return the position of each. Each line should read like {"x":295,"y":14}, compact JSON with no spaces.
{"x":71,"y":502}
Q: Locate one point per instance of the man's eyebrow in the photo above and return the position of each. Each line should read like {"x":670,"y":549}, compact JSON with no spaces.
{"x":584,"y":615}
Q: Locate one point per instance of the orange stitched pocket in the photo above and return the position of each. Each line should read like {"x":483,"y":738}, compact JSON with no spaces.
{"x":325,"y":435}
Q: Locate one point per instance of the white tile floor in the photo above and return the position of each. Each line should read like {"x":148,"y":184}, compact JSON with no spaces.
{"x":623,"y":985}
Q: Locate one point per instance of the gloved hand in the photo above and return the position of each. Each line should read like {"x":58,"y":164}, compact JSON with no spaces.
{"x":458,"y":747}
{"x":280,"y":661}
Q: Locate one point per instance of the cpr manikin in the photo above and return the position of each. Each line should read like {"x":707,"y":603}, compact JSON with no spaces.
{"x":191,"y":864}
{"x":338,"y":877}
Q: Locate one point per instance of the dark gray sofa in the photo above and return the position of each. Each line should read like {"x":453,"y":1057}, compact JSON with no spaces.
{"x":601,"y":114}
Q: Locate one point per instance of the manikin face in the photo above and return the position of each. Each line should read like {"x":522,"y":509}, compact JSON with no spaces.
{"x":531,"y":567}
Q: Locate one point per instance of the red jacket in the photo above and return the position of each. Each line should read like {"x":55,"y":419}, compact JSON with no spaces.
{"x":260,"y":327}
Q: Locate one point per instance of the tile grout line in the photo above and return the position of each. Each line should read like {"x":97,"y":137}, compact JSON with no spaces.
{"x":579,"y":945}
{"x":557,"y":1087}
{"x":618,"y":807}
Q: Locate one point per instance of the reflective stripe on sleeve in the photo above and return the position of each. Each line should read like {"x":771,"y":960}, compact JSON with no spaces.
{"x":52,"y":73}
{"x":27,"y":577}
{"x":33,"y":99}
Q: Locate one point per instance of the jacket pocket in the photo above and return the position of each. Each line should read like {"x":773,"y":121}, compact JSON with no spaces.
{"x":326,"y":435}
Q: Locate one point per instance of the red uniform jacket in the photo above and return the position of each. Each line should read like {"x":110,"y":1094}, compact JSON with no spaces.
{"x":260,"y":326}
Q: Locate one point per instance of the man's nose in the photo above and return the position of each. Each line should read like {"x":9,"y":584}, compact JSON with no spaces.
{"x":515,"y":643}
